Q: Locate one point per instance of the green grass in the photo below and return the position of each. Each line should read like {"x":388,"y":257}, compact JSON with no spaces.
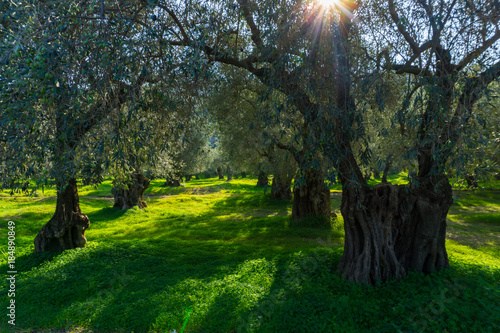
{"x":218,"y":256}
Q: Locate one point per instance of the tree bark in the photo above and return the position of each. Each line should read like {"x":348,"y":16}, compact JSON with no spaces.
{"x":262,"y":179}
{"x":173,"y":179}
{"x":220,"y":173}
{"x":243,"y":174}
{"x":311,"y":200}
{"x":229,"y":173}
{"x":281,"y":187}
{"x":388,"y":164}
{"x":392,"y":229}
{"x":126,"y":198}
{"x":66,"y":228}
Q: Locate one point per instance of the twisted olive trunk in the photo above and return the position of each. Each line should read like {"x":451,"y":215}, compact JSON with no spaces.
{"x":131,"y":196}
{"x":66,"y":228}
{"x":281,"y":187}
{"x":311,"y":199}
{"x":391,"y":229}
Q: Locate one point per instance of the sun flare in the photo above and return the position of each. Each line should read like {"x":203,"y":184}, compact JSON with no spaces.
{"x":328,"y":3}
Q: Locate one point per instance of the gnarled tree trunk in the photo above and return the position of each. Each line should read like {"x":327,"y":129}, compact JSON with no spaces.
{"x":311,"y":199}
{"x":391,"y":229}
{"x":66,"y":229}
{"x":229,"y":173}
{"x":131,"y":196}
{"x":281,"y":187}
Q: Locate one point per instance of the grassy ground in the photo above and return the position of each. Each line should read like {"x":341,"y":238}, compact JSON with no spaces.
{"x":221,"y":257}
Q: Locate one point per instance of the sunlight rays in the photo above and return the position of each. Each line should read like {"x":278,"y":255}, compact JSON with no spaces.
{"x":328,"y":3}
{"x":344,"y":6}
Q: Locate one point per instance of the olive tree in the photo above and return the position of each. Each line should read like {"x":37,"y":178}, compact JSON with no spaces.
{"x":65,"y":70}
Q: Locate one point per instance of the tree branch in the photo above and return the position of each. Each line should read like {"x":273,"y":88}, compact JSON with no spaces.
{"x":402,"y":30}
{"x":404,"y":69}
{"x":474,"y":54}
{"x":251,"y":24}
{"x":176,"y":21}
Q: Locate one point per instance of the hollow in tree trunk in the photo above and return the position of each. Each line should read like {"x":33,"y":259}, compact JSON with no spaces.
{"x":262,"y":179}
{"x":126,"y":198}
{"x":392,"y":229}
{"x":281,"y":187}
{"x":229,"y":173}
{"x":66,"y":228}
{"x":311,"y":199}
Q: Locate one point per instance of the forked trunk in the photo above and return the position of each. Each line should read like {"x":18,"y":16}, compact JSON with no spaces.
{"x":392,"y":229}
{"x":281,"y":187}
{"x":66,"y":228}
{"x":126,"y":198}
{"x":311,"y":200}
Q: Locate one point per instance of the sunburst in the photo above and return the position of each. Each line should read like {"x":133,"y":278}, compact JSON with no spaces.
{"x":328,"y":3}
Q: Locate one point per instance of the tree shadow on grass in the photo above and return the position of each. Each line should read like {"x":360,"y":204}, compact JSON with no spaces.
{"x":146,"y":279}
{"x":98,"y":217}
{"x":280,"y":304}
{"x":121,"y":288}
{"x":28,"y":261}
